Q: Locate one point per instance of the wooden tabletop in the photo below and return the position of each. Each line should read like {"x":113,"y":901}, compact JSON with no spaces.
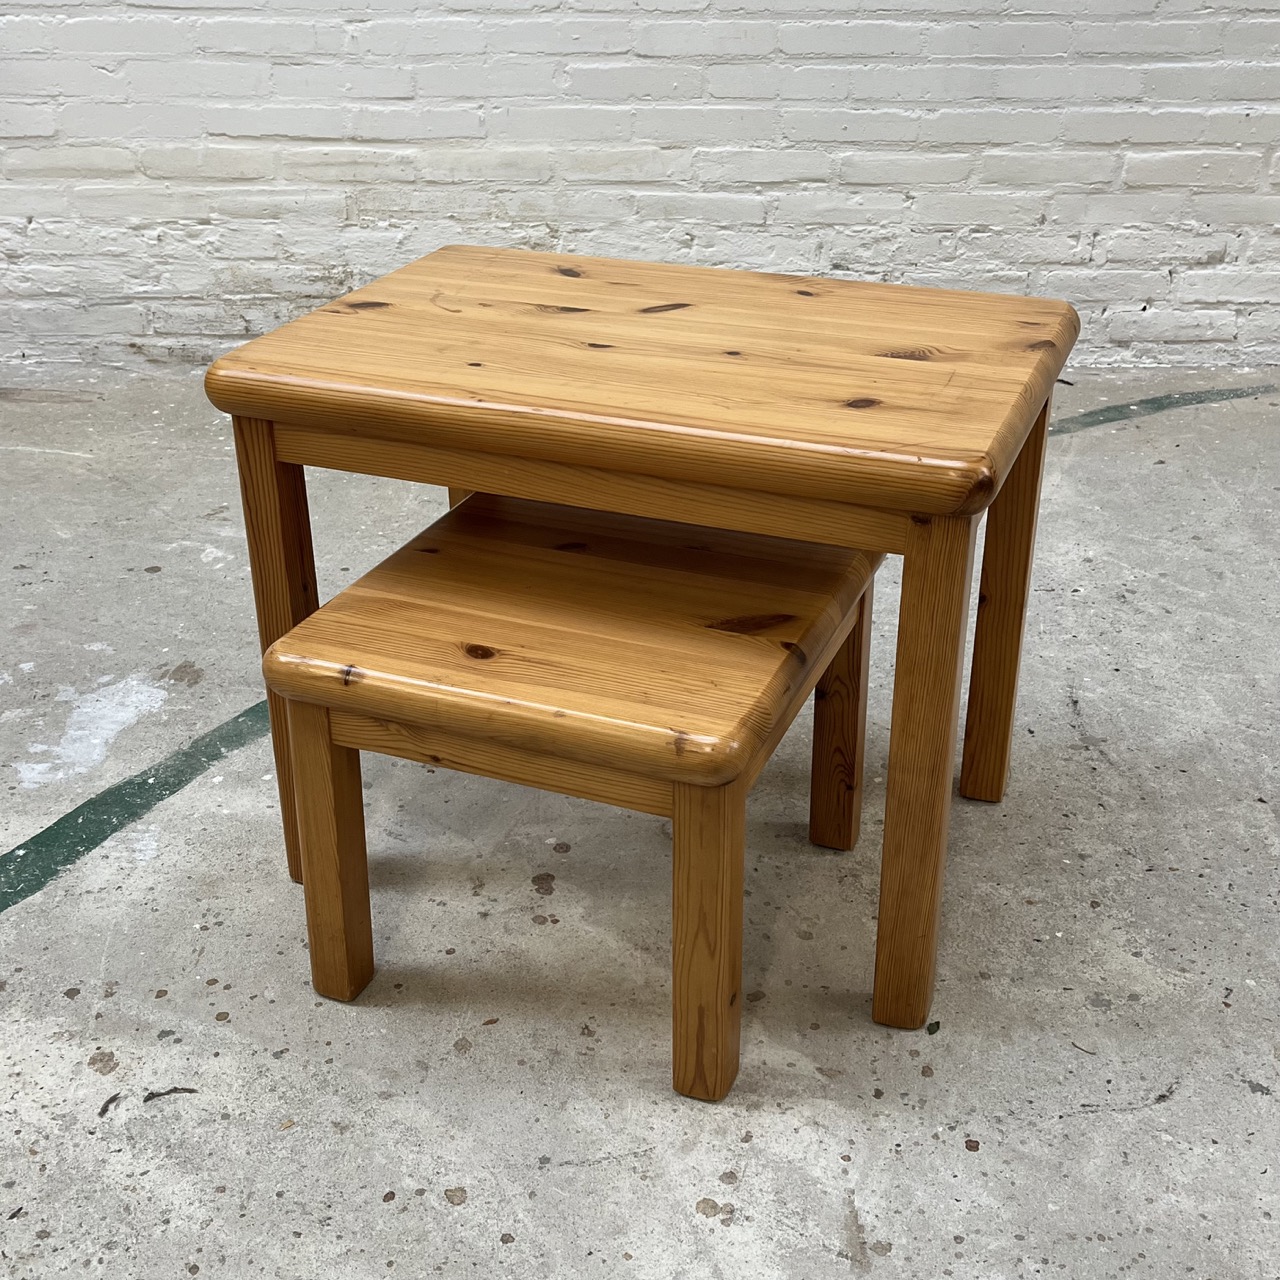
{"x":882,"y":395}
{"x":663,"y":649}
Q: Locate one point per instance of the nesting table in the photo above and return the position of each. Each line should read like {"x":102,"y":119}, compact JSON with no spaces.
{"x":863,"y":415}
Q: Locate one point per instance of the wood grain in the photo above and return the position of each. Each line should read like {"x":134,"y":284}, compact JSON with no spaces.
{"x":800,"y":692}
{"x":749,"y":511}
{"x":491,"y":759}
{"x":643,"y":646}
{"x":882,"y":395}
{"x":932,"y":621}
{"x":663,"y":624}
{"x":335,"y":874}
{"x":1002,"y":609}
{"x":839,"y":735}
{"x":824,"y":411}
{"x":278,"y":529}
{"x":708,"y":832}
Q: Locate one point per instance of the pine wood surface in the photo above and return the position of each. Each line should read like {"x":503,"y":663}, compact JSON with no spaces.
{"x":644,"y":646}
{"x":278,"y":531}
{"x":884,"y":395}
{"x":1003,"y":592}
{"x":747,"y":510}
{"x":335,"y":868}
{"x":932,"y":621}
{"x":491,"y":759}
{"x":708,"y":831}
{"x":835,"y":412}
{"x":839,"y":738}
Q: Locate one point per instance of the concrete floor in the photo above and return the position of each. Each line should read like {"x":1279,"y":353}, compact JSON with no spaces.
{"x":1101,"y":1097}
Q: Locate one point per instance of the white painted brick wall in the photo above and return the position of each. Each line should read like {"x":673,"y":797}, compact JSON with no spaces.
{"x":179,"y":174}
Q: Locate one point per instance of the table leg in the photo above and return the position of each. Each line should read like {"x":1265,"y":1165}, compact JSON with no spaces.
{"x":336,"y":883}
{"x":840,"y":738}
{"x":936,"y":573}
{"x":1002,"y":608}
{"x":281,"y":561}
{"x":708,"y":826}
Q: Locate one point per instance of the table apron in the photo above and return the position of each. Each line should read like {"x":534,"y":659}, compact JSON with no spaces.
{"x":745,"y":510}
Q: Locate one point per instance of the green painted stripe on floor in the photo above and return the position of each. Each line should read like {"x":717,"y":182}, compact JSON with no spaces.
{"x":28,"y":868}
{"x":1153,"y":404}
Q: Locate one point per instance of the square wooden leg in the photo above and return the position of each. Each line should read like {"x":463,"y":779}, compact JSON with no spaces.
{"x":1002,"y":610}
{"x":278,"y":528}
{"x":936,"y":573}
{"x":839,"y":738}
{"x":708,"y":826}
{"x":335,"y":872}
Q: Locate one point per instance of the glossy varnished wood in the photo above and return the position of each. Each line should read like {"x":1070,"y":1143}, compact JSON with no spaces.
{"x":643,"y":646}
{"x":745,"y":510}
{"x":906,"y":399}
{"x":839,"y":735}
{"x":933,"y":616}
{"x":489,"y":759}
{"x":820,"y":410}
{"x":472,"y":620}
{"x":708,"y":828}
{"x":335,"y":875}
{"x":826,"y":657}
{"x":278,"y":531}
{"x":1002,"y":609}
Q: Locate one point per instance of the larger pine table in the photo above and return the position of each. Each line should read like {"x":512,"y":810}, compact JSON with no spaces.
{"x":865,"y":415}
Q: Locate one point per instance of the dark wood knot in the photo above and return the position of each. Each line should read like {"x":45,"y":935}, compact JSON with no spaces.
{"x":664,"y":306}
{"x":862,"y":402}
{"x":571,"y":272}
{"x":351,"y":674}
{"x":797,"y":652}
{"x":479,"y":651}
{"x":751,"y":624}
